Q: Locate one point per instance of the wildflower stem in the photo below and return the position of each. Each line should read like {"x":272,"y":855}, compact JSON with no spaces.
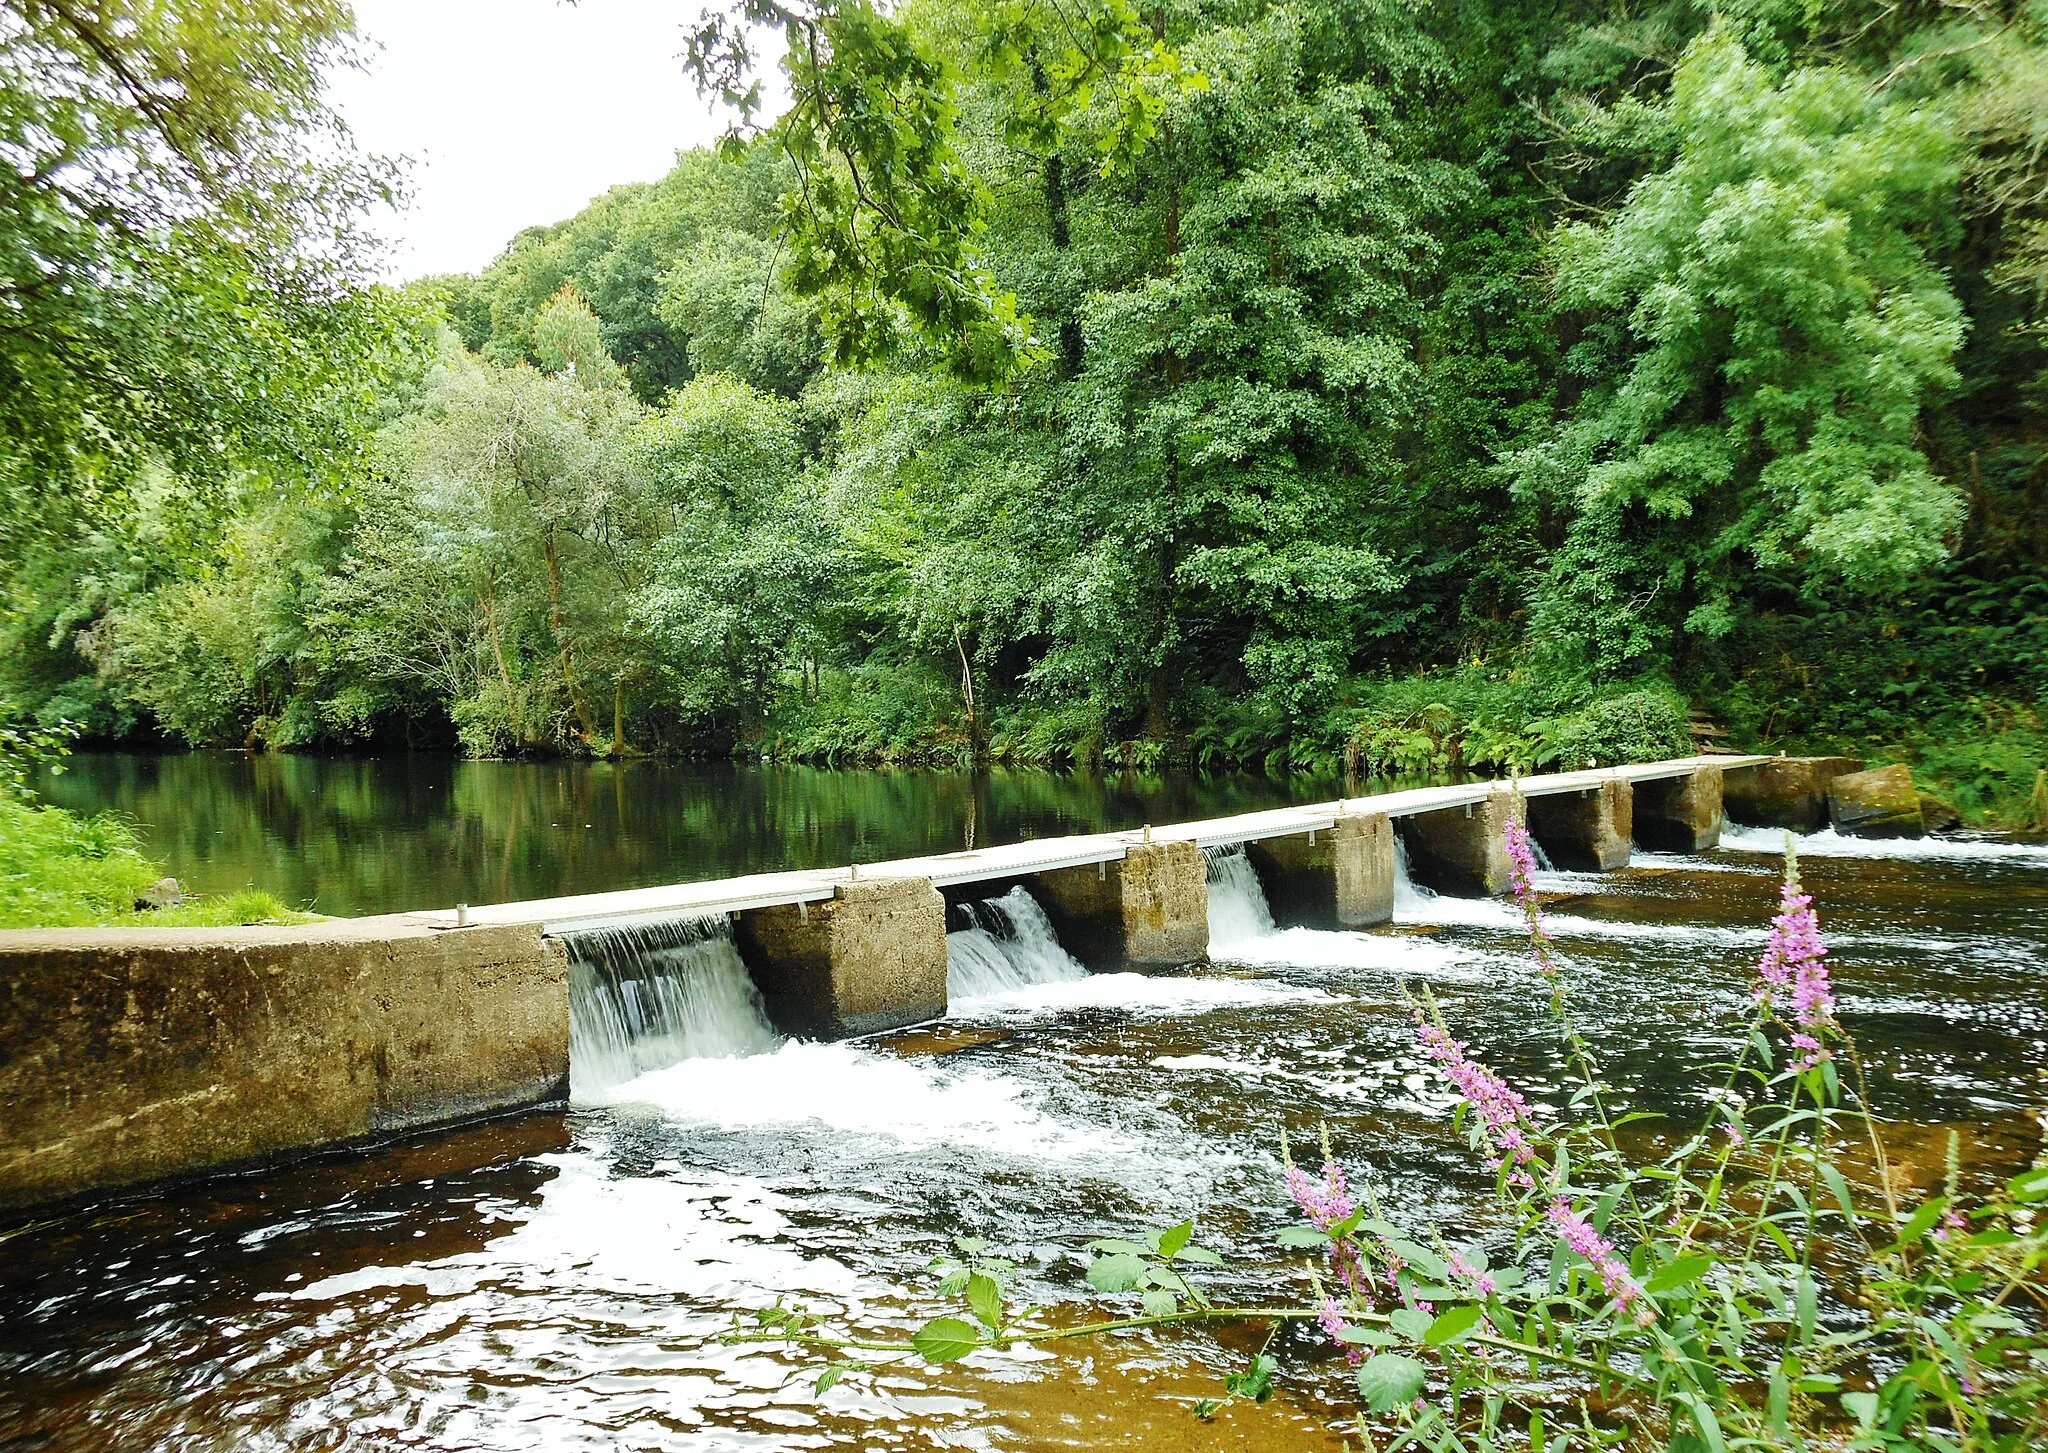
{"x":1037,"y":1336}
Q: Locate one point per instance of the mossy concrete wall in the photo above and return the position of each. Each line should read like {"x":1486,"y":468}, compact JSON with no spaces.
{"x":135,"y":1055}
{"x":1148,"y":910}
{"x":1679,"y":814}
{"x":1588,"y":831}
{"x":1461,"y":849}
{"x":1340,"y":877}
{"x":1785,"y":791}
{"x":871,"y":958}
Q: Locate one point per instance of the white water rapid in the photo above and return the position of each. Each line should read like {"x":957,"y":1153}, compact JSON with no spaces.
{"x":643,"y":996}
{"x":1008,"y":944}
{"x":1237,"y":901}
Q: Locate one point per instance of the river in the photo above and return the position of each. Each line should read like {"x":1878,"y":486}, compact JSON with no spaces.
{"x":351,"y":836}
{"x":559,"y":1280}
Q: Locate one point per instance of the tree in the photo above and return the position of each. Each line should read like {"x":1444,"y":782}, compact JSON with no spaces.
{"x":1766,"y":325}
{"x":177,"y":260}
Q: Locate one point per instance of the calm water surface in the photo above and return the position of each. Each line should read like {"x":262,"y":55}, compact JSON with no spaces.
{"x":559,"y":1280}
{"x":383,"y":835}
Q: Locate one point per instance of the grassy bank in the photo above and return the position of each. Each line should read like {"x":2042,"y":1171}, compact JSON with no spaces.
{"x":61,"y":870}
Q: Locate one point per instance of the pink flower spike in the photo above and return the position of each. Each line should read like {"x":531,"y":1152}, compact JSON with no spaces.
{"x":1576,"y":1232}
{"x":1792,"y":976}
{"x":1503,"y":1113}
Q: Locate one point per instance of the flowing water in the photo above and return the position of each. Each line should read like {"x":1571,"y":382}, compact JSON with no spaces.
{"x":1003,"y":946}
{"x":647,"y":994}
{"x":560,"y":1280}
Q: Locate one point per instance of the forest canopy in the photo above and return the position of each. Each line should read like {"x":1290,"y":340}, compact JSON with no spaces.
{"x":1421,"y":385}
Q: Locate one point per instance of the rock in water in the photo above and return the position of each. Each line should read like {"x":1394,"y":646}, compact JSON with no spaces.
{"x":1937,"y":815}
{"x":1784,"y":792}
{"x":1879,"y":803}
{"x":163,"y":893}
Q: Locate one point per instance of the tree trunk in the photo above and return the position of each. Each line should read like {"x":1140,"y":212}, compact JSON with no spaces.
{"x":576,"y":702}
{"x":512,"y":709}
{"x":967,"y":696}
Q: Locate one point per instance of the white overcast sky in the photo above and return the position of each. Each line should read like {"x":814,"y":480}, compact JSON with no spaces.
{"x":516,"y":112}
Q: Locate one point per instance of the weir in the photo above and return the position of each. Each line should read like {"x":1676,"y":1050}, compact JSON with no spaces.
{"x":1002,"y":945}
{"x":1237,"y":899}
{"x":645,"y":995}
{"x":134,"y":1056}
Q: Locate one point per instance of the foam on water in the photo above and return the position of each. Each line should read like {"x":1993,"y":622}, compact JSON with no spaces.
{"x":1009,"y":944}
{"x":1142,"y":996}
{"x":850,"y":1090}
{"x":643,"y":995}
{"x":1828,"y":843}
{"x":1414,"y":903}
{"x":1392,"y":954}
{"x":1238,"y":911}
{"x":684,"y":1234}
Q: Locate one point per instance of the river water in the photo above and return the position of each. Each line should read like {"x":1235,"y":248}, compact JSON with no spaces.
{"x":351,"y":836}
{"x":560,"y":1279}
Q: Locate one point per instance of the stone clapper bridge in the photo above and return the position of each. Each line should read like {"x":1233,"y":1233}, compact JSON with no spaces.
{"x":129,"y":1057}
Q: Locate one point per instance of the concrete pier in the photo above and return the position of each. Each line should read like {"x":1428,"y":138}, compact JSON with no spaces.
{"x":1460,"y":849}
{"x":1149,"y":909}
{"x":1588,"y":831}
{"x":1679,"y":814}
{"x":1784,"y":791}
{"x":1339,"y":877}
{"x":136,"y":1055}
{"x":869,"y":958}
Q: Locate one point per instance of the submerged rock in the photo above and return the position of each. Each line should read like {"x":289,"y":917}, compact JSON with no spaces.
{"x":1882,"y":802}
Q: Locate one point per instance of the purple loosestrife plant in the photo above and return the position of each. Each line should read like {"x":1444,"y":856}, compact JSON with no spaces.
{"x":1792,"y":980}
{"x":1522,"y":883}
{"x":1745,"y":1285}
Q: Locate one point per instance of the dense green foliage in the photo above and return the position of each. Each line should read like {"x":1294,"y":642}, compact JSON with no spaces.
{"x":1413,"y":388}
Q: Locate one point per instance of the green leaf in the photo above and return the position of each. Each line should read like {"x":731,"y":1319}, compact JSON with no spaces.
{"x":1423,"y":1260}
{"x":1367,"y":1337}
{"x":1410,"y":1323}
{"x":1173,"y":1238}
{"x":1839,"y":1188}
{"x":1117,"y":1273}
{"x":986,"y":1300}
{"x":1160,"y":1303}
{"x":2029,"y":1185}
{"x":1113,"y":1247}
{"x":1388,"y":1380}
{"x":1703,"y":1418}
{"x":1453,"y":1326}
{"x":1862,"y":1406}
{"x":954,"y":1282}
{"x":828,"y":1379}
{"x":1678,"y":1273}
{"x":1256,"y":1382}
{"x":945,"y":1339}
{"x":1200,"y":1256}
{"x":1301,"y":1236}
{"x":970,"y":1245}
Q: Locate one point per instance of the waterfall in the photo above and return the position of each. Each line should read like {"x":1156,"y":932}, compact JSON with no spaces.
{"x":1005,"y":943}
{"x":1237,"y":901}
{"x":1542,"y":858}
{"x":643,"y":996}
{"x":1410,"y":897}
